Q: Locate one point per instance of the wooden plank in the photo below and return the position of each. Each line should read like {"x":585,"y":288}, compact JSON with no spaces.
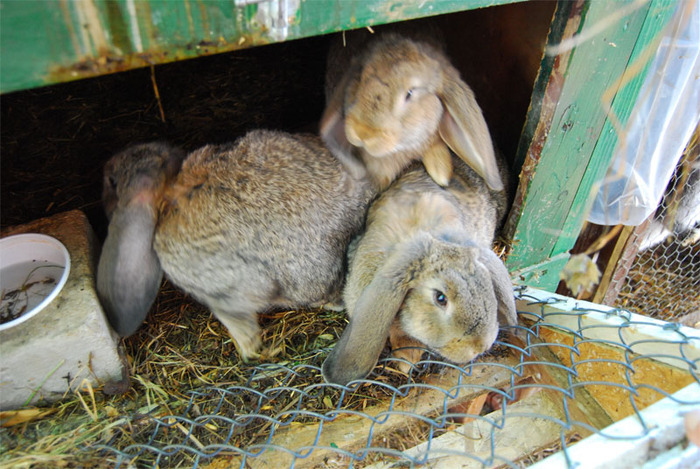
{"x":614,"y":369}
{"x":351,"y":432}
{"x":631,"y":443}
{"x":619,"y":264}
{"x":524,"y":431}
{"x":545,"y":96}
{"x":620,"y":97}
{"x":68,"y":40}
{"x":542,"y":275}
{"x":582,"y":407}
{"x":570,"y":119}
{"x":642,"y":334}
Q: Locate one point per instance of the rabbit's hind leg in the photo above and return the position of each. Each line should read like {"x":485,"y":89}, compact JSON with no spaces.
{"x":244,"y":330}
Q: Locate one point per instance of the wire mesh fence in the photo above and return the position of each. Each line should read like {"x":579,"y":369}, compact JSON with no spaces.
{"x":663,"y":280}
{"x":567,"y":371}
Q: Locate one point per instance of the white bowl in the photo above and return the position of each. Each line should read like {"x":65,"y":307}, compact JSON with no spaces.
{"x":33,"y":270}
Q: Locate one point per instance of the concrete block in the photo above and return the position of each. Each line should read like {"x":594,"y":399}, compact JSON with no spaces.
{"x":70,"y":340}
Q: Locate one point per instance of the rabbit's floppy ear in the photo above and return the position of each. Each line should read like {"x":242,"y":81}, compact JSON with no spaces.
{"x":464,"y":129}
{"x":361,"y":343}
{"x":332,"y":130}
{"x":502,"y":287}
{"x":129,"y":273}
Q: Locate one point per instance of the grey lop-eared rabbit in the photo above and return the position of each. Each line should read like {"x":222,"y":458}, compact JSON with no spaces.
{"x":263,"y":222}
{"x":423,"y":274}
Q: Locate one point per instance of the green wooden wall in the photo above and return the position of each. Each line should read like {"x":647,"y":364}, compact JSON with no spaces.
{"x":51,"y":41}
{"x":568,"y":138}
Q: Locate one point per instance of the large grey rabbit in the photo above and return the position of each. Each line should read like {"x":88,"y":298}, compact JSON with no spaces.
{"x":394,"y":99}
{"x":423,"y":273}
{"x":263,"y":222}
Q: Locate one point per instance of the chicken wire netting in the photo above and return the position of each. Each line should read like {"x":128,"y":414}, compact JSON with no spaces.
{"x":567,"y":371}
{"x":664,"y":282}
{"x":663,"y":273}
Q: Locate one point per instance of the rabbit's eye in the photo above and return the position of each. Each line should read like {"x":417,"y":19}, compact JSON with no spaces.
{"x":440,"y":298}
{"x":409,"y":94}
{"x":112,"y":182}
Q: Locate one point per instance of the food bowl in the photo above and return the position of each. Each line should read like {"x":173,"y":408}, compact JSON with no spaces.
{"x":33,"y":270}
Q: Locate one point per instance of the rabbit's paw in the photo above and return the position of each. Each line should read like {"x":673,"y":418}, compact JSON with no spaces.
{"x":245,"y":332}
{"x":404,"y":349}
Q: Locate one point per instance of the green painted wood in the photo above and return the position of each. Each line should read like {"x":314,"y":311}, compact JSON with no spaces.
{"x":658,"y":16}
{"x":44,"y":42}
{"x":541,"y":275}
{"x":570,"y":119}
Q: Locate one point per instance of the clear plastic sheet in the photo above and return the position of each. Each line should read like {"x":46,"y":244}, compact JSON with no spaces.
{"x":660,"y":126}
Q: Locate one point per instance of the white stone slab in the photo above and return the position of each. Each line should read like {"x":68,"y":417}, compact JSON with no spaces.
{"x":70,"y":340}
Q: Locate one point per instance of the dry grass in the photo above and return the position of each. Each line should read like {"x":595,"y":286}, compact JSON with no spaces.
{"x":54,"y":143}
{"x":181,"y":348}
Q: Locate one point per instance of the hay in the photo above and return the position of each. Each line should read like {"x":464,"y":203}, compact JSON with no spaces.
{"x":55,"y":141}
{"x":178,"y":361}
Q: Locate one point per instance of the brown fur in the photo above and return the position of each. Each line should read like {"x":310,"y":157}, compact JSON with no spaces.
{"x":402,"y":101}
{"x":420,"y":241}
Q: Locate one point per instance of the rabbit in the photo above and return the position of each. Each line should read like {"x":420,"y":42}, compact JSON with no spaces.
{"x":423,"y":272}
{"x":261,"y":223}
{"x":134,"y":182}
{"x":400,"y":100}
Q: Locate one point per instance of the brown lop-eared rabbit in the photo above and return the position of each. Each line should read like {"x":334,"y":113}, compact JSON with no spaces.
{"x":423,"y":274}
{"x":395,"y":99}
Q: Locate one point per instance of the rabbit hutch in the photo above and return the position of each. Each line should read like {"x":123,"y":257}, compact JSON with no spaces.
{"x":583,"y":379}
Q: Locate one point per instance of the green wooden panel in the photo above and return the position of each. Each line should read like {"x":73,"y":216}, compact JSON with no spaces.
{"x":44,"y":42}
{"x":660,"y":12}
{"x":560,"y":155}
{"x":544,"y":276}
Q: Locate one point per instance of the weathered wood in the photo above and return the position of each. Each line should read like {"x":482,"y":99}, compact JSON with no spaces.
{"x":618,"y":99}
{"x":608,"y":366}
{"x":618,"y":264}
{"x":643,"y":335}
{"x":545,"y":273}
{"x":559,"y":147}
{"x":85,"y":38}
{"x":524,"y":431}
{"x":629,"y":443}
{"x":582,"y":407}
{"x":350,"y":432}
{"x":664,"y":365}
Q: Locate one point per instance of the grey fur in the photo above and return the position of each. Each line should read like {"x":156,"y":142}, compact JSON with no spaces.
{"x":261,"y":223}
{"x":421,"y":239}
